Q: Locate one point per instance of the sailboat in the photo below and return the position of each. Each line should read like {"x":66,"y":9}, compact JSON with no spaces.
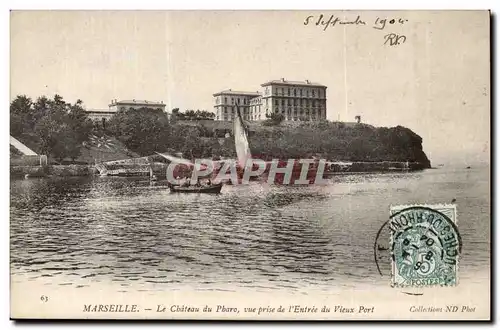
{"x":245,"y":160}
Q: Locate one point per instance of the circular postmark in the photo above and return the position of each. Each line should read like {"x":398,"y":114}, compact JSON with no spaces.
{"x":381,"y":252}
{"x":425,"y":246}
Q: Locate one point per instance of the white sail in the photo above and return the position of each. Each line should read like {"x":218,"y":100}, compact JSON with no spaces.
{"x":241,"y":139}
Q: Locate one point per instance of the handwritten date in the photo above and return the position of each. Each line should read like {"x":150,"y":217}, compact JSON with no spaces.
{"x":325,"y":22}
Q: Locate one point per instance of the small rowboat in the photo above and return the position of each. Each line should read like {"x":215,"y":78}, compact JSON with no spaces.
{"x":212,"y":189}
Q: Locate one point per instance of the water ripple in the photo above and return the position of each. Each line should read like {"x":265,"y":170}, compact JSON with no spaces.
{"x":79,"y":231}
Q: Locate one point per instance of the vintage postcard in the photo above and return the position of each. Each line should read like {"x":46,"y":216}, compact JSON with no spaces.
{"x":250,"y":165}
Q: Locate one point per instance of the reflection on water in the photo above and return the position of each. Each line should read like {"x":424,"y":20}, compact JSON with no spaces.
{"x":79,"y":231}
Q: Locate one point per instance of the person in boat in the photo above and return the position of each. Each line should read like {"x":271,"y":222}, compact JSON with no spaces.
{"x":198,"y":184}
{"x":180,"y":181}
{"x":209,"y":182}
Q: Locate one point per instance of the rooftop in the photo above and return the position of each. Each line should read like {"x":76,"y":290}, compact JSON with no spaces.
{"x":283,"y":81}
{"x":231,"y":92}
{"x":134,"y":101}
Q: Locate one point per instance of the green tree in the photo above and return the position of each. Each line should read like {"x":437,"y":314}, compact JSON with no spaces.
{"x":143,"y":130}
{"x":176,"y":115}
{"x":79,"y":123}
{"x":50,"y":126}
{"x":21,"y":115}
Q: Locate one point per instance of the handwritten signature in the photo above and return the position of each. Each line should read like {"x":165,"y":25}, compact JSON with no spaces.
{"x":323,"y":21}
{"x":393,"y":39}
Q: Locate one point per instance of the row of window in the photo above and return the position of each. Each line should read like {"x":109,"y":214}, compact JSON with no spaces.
{"x":231,"y":117}
{"x":234,"y":100}
{"x":279,"y":92}
{"x":233,"y":109}
{"x":138,"y":107}
{"x":292,"y":118}
{"x":277,"y":108}
{"x":289,"y":91}
{"x":302,"y":102}
{"x":298,"y":111}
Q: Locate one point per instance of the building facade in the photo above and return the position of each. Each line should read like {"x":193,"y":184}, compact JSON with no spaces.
{"x":295,"y":100}
{"x":135,"y":104}
{"x":226,"y":103}
{"x":101,"y":116}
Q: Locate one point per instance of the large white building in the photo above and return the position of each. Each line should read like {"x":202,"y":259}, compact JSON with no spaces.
{"x":135,"y":104}
{"x":227,"y":101}
{"x":103,"y":115}
{"x":295,"y":100}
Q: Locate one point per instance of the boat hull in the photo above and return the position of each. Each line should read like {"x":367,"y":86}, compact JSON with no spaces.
{"x":214,"y":189}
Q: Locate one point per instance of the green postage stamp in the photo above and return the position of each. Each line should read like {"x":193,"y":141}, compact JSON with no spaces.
{"x":425,"y":245}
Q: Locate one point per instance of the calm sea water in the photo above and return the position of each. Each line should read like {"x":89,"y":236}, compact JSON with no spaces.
{"x":83,"y":231}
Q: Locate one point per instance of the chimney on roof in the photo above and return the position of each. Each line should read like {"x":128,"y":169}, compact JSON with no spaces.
{"x":283,"y":79}
{"x":133,"y":100}
{"x":307,"y":81}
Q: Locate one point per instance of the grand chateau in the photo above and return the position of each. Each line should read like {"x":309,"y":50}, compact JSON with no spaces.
{"x":102,"y":115}
{"x":295,"y":100}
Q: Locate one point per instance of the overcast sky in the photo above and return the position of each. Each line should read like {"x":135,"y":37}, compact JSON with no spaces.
{"x":436,"y":82}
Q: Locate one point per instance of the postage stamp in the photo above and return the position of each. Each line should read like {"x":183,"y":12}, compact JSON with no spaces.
{"x":425,"y":245}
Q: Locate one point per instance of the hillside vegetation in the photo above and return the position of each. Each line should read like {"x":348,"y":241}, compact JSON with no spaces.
{"x":63,"y":131}
{"x":338,"y":141}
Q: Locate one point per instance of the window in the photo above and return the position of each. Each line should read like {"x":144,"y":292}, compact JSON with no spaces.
{"x":225,"y":100}
{"x":294,"y":92}
{"x":276,"y":102}
{"x":232,"y":100}
{"x":307,"y":93}
{"x":313,"y":92}
{"x":300,"y":91}
{"x":288,"y":91}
